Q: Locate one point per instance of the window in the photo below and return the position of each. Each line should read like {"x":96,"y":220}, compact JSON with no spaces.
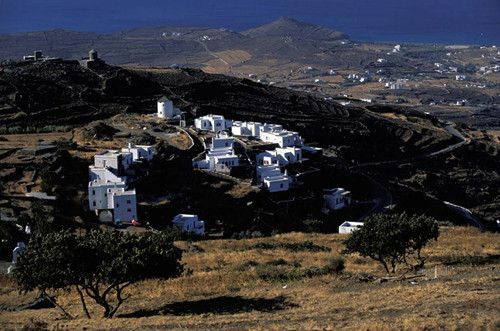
{"x":117,"y":205}
{"x":93,"y":192}
{"x":281,"y":185}
{"x":93,"y":203}
{"x":129,"y":210}
{"x":129,"y":202}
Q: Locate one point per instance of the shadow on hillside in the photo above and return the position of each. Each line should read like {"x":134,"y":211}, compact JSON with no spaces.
{"x":469,"y":259}
{"x":218,"y":305}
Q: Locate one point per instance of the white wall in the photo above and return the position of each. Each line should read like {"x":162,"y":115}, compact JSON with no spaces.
{"x":124,"y":206}
{"x":104,"y":174}
{"x":98,"y":194}
{"x":277,"y":185}
{"x":165,"y":109}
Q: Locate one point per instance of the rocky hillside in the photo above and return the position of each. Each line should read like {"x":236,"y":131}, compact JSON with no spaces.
{"x":34,"y":96}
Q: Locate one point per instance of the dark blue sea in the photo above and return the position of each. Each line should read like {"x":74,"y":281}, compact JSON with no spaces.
{"x":421,"y":21}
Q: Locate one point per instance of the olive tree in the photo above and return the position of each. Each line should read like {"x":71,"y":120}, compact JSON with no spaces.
{"x":393,"y":239}
{"x":99,"y":264}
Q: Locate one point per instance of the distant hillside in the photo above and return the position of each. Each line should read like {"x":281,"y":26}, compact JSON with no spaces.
{"x":167,"y":45}
{"x":288,"y":27}
{"x":64,"y":93}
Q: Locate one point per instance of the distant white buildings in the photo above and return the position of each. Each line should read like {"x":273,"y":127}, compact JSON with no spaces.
{"x":221,"y":156}
{"x":349,"y":227}
{"x":189,"y":223}
{"x":460,"y":77}
{"x":213,"y":123}
{"x":396,"y":49}
{"x":271,"y":133}
{"x":166,"y":109}
{"x":335,"y":199}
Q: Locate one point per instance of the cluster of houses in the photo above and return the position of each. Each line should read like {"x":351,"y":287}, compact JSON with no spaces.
{"x":108,"y":193}
{"x":221,"y":156}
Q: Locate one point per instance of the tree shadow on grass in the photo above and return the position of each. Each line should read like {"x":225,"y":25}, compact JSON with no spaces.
{"x":217,"y":305}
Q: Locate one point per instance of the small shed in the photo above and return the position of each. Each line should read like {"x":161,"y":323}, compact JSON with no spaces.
{"x":189,"y":223}
{"x":349,"y":227}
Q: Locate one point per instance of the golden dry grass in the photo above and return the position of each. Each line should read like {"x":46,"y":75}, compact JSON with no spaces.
{"x":463,"y":296}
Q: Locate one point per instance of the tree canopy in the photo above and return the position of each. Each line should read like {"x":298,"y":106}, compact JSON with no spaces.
{"x":393,"y":239}
{"x":99,"y":264}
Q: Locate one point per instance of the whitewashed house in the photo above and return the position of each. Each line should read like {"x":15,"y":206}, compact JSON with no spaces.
{"x":117,"y":161}
{"x":267,"y":171}
{"x":335,"y":199}
{"x":166,"y":109}
{"x":249,"y":129}
{"x":280,"y":156}
{"x":114,"y":197}
{"x":189,"y":223}
{"x":282,"y":138}
{"x":220,"y":159}
{"x":123,"y":203}
{"x":277,"y":183}
{"x":222,"y":140}
{"x":288,"y":155}
{"x":98,"y":191}
{"x":349,"y":227}
{"x":140,"y":152}
{"x":105,"y":174}
{"x":267,"y":158}
{"x":213,"y":123}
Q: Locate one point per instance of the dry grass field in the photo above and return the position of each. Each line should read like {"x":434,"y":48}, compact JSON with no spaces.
{"x":231,"y":284}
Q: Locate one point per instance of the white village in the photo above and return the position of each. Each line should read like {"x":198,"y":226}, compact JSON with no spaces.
{"x":113,"y":201}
